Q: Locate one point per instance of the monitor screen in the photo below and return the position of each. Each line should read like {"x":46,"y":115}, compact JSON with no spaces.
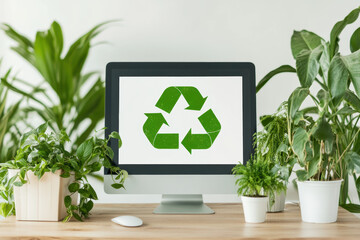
{"x":180,"y":120}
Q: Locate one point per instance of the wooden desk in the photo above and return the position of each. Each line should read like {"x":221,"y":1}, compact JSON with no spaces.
{"x":226,"y":223}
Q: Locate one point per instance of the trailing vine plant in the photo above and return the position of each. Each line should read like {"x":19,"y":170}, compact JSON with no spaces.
{"x":42,"y":152}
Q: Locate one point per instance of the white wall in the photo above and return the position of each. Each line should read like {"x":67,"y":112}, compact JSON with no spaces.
{"x":182,"y":30}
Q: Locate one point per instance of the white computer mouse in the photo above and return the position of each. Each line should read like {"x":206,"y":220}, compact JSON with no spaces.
{"x":128,"y":221}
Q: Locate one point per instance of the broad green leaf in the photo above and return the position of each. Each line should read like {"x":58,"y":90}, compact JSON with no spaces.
{"x":324,"y":61}
{"x":92,"y":192}
{"x":281,"y":69}
{"x":304,"y":40}
{"x":313,"y":167}
{"x":6,"y":209}
{"x":338,"y":79}
{"x":84,"y":151}
{"x":73,"y":187}
{"x":301,"y":137}
{"x":339,"y":27}
{"x":352,"y":63}
{"x":77,"y":217}
{"x":307,"y":65}
{"x":322,"y":131}
{"x":352,"y":99}
{"x":57,"y":38}
{"x":18,"y":184}
{"x":352,"y":161}
{"x":116,"y":135}
{"x":355,"y":41}
{"x":117,"y":185}
{"x":323,"y":97}
{"x":89,"y":205}
{"x":296,"y":99}
{"x":302,"y":175}
{"x":42,"y":128}
{"x":67,"y":201}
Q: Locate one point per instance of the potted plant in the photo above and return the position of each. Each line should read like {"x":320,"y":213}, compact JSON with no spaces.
{"x":325,"y":137}
{"x":255,"y":180}
{"x":44,"y":180}
{"x":273,"y":146}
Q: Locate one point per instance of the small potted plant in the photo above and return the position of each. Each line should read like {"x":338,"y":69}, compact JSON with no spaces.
{"x":44,"y":180}
{"x":273,"y":146}
{"x":255,"y":179}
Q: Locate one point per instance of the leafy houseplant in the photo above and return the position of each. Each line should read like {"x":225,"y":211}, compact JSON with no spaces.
{"x":255,"y":179}
{"x":41,"y":153}
{"x":272,"y":146}
{"x":324,"y":138}
{"x":79,"y":97}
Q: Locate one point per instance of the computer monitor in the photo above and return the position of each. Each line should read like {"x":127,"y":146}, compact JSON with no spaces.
{"x":184,"y":126}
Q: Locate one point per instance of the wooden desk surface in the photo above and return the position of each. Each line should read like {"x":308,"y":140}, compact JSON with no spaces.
{"x":226,"y":223}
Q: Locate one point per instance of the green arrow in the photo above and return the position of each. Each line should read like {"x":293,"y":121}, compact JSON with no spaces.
{"x":211,"y":124}
{"x":193,"y":98}
{"x":171,"y":95}
{"x":151,"y":128}
{"x":168,"y":99}
{"x":152,"y":125}
{"x":167,"y":141}
{"x":196,"y":141}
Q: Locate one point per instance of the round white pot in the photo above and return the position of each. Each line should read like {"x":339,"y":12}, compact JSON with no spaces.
{"x":254,"y":208}
{"x":279,"y":204}
{"x":319,"y":200}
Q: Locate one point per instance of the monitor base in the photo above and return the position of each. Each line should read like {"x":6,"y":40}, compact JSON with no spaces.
{"x":182,"y":204}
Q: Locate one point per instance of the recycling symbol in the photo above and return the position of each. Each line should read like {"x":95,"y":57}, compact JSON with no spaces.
{"x":191,"y":141}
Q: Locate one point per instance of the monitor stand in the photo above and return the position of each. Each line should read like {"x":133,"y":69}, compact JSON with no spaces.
{"x":182,"y":204}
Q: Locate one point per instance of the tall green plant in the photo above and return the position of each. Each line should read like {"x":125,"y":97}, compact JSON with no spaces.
{"x":77,"y":98}
{"x":325,"y":137}
{"x":9,"y":117}
{"x":272,"y":143}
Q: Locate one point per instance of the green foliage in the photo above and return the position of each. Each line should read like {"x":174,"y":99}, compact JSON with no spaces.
{"x":324,"y":138}
{"x":272,"y":143}
{"x":63,"y":74}
{"x":40,"y":152}
{"x":9,"y":118}
{"x":257,"y":178}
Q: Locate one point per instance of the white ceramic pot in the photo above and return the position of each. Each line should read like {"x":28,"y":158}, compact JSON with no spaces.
{"x":254,"y":208}
{"x":279,"y":203}
{"x":319,"y":200}
{"x":42,"y":199}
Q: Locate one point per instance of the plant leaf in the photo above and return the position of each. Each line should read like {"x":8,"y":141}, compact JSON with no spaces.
{"x":338,"y":28}
{"x":301,"y":137}
{"x":304,"y":40}
{"x":84,"y":151}
{"x":73,"y":187}
{"x":67,"y":201}
{"x":296,"y":99}
{"x":302,"y":175}
{"x":307,"y":65}
{"x":338,"y":79}
{"x":281,"y":69}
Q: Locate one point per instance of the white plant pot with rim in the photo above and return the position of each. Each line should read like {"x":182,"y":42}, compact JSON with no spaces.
{"x":42,"y":199}
{"x":279,"y":203}
{"x":319,"y":200}
{"x":254,"y":208}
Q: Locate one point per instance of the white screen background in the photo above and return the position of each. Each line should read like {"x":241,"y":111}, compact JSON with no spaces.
{"x":138,"y":95}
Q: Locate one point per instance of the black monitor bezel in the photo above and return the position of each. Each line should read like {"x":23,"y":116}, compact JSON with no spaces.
{"x":114,"y":70}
